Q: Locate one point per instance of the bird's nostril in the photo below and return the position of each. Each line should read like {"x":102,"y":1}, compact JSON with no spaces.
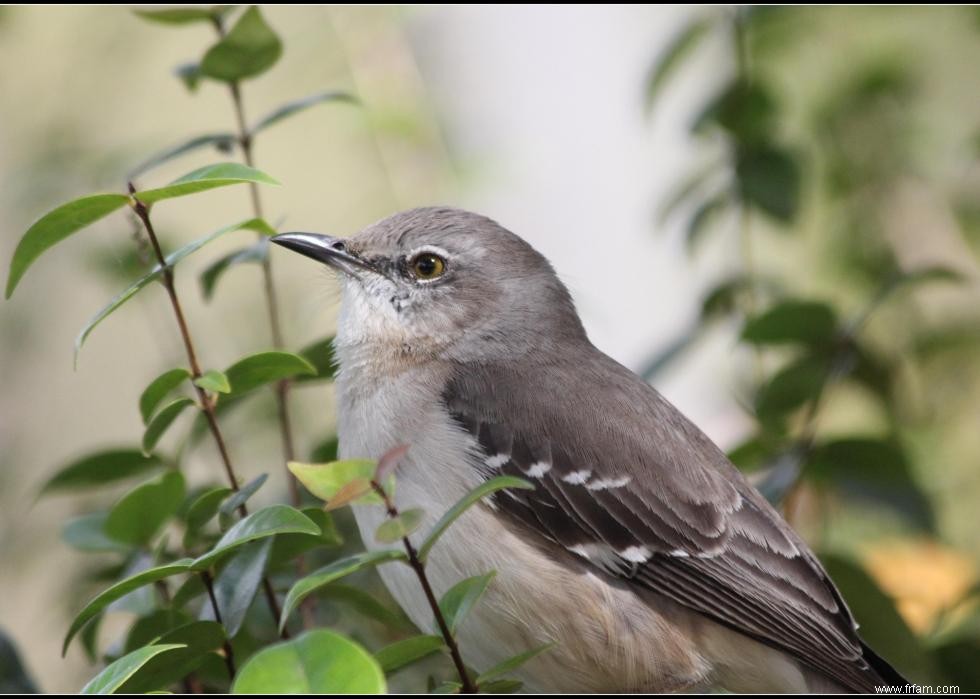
{"x":338,"y":245}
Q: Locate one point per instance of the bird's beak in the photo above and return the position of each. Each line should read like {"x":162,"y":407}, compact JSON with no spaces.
{"x":323,"y":248}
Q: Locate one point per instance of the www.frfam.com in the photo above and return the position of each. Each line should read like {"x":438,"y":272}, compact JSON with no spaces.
{"x":917,"y":689}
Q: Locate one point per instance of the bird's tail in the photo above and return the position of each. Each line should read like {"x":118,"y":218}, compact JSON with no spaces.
{"x":881,"y":667}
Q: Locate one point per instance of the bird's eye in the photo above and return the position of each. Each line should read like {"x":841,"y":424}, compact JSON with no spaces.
{"x":427,"y":266}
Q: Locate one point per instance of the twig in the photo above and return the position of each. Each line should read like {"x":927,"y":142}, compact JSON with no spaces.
{"x":419,"y":568}
{"x":229,"y":653}
{"x":143,"y":212}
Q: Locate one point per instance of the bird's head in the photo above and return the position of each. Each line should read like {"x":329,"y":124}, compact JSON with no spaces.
{"x":443,"y":282}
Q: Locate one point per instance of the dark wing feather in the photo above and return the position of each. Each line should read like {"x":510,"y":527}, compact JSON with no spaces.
{"x":626,"y":482}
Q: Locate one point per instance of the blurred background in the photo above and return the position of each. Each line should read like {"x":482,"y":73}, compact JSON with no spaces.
{"x":771,"y":213}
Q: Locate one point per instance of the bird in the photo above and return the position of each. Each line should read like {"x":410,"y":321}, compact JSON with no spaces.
{"x":641,"y":553}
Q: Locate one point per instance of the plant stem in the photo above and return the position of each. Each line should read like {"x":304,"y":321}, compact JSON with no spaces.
{"x":143,"y":212}
{"x":229,"y":653}
{"x":419,"y":568}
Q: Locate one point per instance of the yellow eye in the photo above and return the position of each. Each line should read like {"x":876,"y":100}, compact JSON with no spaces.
{"x":427,"y":266}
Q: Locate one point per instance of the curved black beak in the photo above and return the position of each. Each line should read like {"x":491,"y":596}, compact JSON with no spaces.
{"x":322,"y":248}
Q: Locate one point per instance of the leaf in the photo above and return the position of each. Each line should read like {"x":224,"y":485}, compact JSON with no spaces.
{"x":224,"y":142}
{"x":746,"y":110}
{"x":213,"y":272}
{"x":364,"y":603}
{"x":325,"y":451}
{"x":214,"y":381}
{"x":320,"y":662}
{"x":201,"y":638}
{"x":723,"y":299}
{"x":334,"y":571}
{"x":149,"y":627}
{"x":236,"y":584}
{"x":57,"y":225}
{"x":462,"y":597}
{"x":397,"y":655}
{"x":798,"y":382}
{"x":243,"y":494}
{"x":161,"y":421}
{"x":203,"y":179}
{"x":673,"y":55}
{"x":100,"y":468}
{"x":326,"y":480}
{"x":254,"y":224}
{"x":183,"y":15}
{"x":810,"y":323}
{"x":769,"y":179}
{"x":288,"y":546}
{"x":389,"y":461}
{"x":467,"y":501}
{"x":397,"y":528}
{"x":666,"y":355}
{"x":320,"y":355}
{"x":265,"y":367}
{"x":957,"y":661}
{"x":502,"y":687}
{"x":511,"y":664}
{"x":872,"y":470}
{"x":250,"y":48}
{"x":355,"y":491}
{"x":98,"y":603}
{"x":14,"y":679}
{"x":703,"y":217}
{"x":299,"y":105}
{"x":87,"y":533}
{"x":205,"y":507}
{"x":269,"y":521}
{"x":115,"y":675}
{"x":189,"y":74}
{"x":158,"y":389}
{"x":138,"y":516}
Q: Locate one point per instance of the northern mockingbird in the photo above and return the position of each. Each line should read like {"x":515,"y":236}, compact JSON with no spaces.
{"x":642,"y":552}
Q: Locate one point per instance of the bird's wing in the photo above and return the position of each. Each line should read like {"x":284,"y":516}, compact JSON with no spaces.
{"x":627,"y":483}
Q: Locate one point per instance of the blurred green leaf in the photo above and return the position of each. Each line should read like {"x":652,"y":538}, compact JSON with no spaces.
{"x":244,"y":493}
{"x":265,"y":367}
{"x":693,"y":184}
{"x":365,"y":604}
{"x":224,"y":142}
{"x":320,"y":355}
{"x":462,"y":597}
{"x":87,"y":533}
{"x":466,"y":502}
{"x":667,"y":355}
{"x":116,"y":674}
{"x":140,"y":514}
{"x":334,"y":571}
{"x":235,"y":586}
{"x":13,"y":677}
{"x":205,"y":178}
{"x":397,"y":655}
{"x":397,"y":528}
{"x":799,"y":382}
{"x":501,"y":687}
{"x":214,"y":381}
{"x":249,"y":49}
{"x":182,"y":15}
{"x":703,"y":218}
{"x":269,"y":521}
{"x":769,"y":178}
{"x":326,"y":450}
{"x":288,"y":546}
{"x":149,"y":627}
{"x":201,"y":511}
{"x":57,"y":225}
{"x":158,"y":389}
{"x":511,"y":664}
{"x":957,"y":662}
{"x":793,"y":321}
{"x":299,"y":105}
{"x":747,"y":111}
{"x":671,"y":58}
{"x":200,"y":639}
{"x":190,"y":74}
{"x":723,"y":298}
{"x":101,"y":468}
{"x":213,"y":272}
{"x":161,"y":421}
{"x":872,"y":470}
{"x":318,"y":662}
{"x":97,"y":604}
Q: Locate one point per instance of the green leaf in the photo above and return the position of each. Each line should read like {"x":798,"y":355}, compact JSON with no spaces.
{"x":158,"y":389}
{"x":794,"y":321}
{"x":265,"y":367}
{"x":87,"y":533}
{"x":250,"y":48}
{"x":320,"y":355}
{"x":365,"y":604}
{"x":138,"y":516}
{"x":397,"y":655}
{"x":746,"y":110}
{"x":224,"y":142}
{"x":769,"y":179}
{"x":100,"y":468}
{"x":243,"y":494}
{"x":397,"y":528}
{"x":462,"y":597}
{"x":14,"y":679}
{"x":97,"y":604}
{"x":213,"y":272}
{"x":149,"y":627}
{"x":299,"y":105}
{"x":201,"y":638}
{"x":957,"y":661}
{"x":673,"y":56}
{"x":183,"y":15}
{"x":797,"y":383}
{"x":269,"y":521}
{"x":665,"y":356}
{"x":205,"y":178}
{"x":116,"y":674}
{"x":511,"y":664}
{"x":214,"y":381}
{"x":336,"y":570}
{"x":325,"y":451}
{"x":325,"y":481}
{"x":255,"y":224}
{"x":236,"y":584}
{"x":288,"y":546}
{"x":161,"y":421}
{"x":57,"y":225}
{"x":872,"y":470}
{"x":466,"y":502}
{"x":703,"y":217}
{"x":190,"y":74}
{"x":201,"y":511}
{"x":501,"y":687}
{"x":320,"y":662}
